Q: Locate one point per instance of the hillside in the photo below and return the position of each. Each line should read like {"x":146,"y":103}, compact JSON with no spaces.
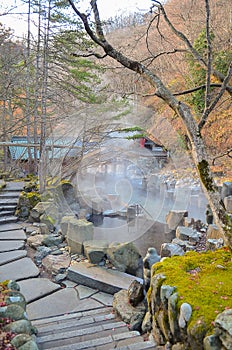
{"x":154,"y":44}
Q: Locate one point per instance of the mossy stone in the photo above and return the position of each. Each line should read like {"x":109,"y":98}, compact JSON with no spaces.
{"x":196,"y":334}
{"x":20,"y":326}
{"x":15,"y":312}
{"x":30,"y":345}
{"x":173,"y":315}
{"x":15,"y":297}
{"x":20,"y":339}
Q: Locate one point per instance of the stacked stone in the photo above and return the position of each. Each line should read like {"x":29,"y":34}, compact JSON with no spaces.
{"x":15,"y":310}
{"x":168,"y":323}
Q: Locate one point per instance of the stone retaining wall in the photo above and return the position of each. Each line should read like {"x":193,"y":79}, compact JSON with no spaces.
{"x":13,"y":310}
{"x":169,"y":324}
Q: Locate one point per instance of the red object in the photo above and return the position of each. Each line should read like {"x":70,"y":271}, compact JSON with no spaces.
{"x":142,"y":142}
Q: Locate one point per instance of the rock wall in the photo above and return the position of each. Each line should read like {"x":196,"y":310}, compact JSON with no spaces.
{"x":169,"y":323}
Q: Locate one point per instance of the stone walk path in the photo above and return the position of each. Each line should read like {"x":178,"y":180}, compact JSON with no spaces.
{"x":68,"y":316}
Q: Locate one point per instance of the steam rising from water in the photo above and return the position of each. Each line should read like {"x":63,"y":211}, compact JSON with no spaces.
{"x":113,"y":173}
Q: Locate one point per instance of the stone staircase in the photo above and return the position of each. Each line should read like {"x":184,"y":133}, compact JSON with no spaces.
{"x":70,"y":318}
{"x":8,"y":202}
{"x":93,"y":330}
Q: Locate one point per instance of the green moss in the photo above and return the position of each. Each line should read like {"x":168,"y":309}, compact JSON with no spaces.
{"x":2,"y":184}
{"x":228,"y":229}
{"x":203,"y":168}
{"x":204,"y":280}
{"x":33,"y":198}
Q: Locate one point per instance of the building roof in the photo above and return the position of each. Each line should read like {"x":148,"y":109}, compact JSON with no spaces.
{"x":21,"y":152}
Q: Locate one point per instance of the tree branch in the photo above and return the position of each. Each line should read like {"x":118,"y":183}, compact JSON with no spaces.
{"x":227,"y":153}
{"x":95,"y":54}
{"x":217,"y":98}
{"x":194,"y":52}
{"x":189,"y":91}
{"x":209,"y":56}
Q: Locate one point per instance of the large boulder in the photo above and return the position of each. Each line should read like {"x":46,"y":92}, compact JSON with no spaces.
{"x":170,"y":249}
{"x":187,"y":234}
{"x":150,"y":259}
{"x":65,"y":197}
{"x":133,"y":315}
{"x":45,"y":212}
{"x":126,"y":258}
{"x":26,"y":202}
{"x":223,"y":328}
{"x":65,"y":222}
{"x":95,"y":250}
{"x":135,"y":293}
{"x":175,"y":218}
{"x":78,"y":232}
{"x":56,"y":263}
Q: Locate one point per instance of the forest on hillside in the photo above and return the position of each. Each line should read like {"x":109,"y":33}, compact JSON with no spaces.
{"x":45,"y":78}
{"x":52,"y":73}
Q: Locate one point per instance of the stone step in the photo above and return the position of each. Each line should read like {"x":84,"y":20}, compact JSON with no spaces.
{"x":44,"y":322}
{"x":11,"y":208}
{"x":7,"y":202}
{"x":4,"y":213}
{"x":94,"y":337}
{"x":10,"y":227}
{"x":13,"y":235}
{"x":9,"y":195}
{"x":105,"y":280}
{"x":148,"y":345}
{"x":79,"y":330}
{"x":14,"y":186}
{"x":93,"y":329}
{"x":8,"y":257}
{"x":19,"y":270}
{"x":7,"y":246}
{"x":37,"y":288}
{"x":8,"y":219}
{"x":59,"y":323}
{"x":11,"y":189}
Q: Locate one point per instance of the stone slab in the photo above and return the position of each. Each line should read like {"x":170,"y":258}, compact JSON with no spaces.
{"x":61,"y":302}
{"x":7,"y":246}
{"x":15,"y":235}
{"x":68,"y":284}
{"x":4,"y":212}
{"x":36,"y":288}
{"x":8,"y":202}
{"x":12,"y":256}
{"x":19,"y":270}
{"x":85,"y":292}
{"x":104,"y":298}
{"x":14,"y":186}
{"x":8,"y":220}
{"x":10,"y":227}
{"x":105,"y":280}
{"x":8,"y":207}
{"x":9,"y":195}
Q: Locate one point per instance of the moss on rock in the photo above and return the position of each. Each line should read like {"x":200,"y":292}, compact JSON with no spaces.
{"x":203,"y":168}
{"x":204,"y":280}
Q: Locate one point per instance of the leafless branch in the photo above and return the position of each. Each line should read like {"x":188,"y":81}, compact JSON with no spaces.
{"x":194,"y":52}
{"x":189,"y":91}
{"x":91,"y":54}
{"x":209,"y":56}
{"x":227,"y":153}
{"x":217,"y":98}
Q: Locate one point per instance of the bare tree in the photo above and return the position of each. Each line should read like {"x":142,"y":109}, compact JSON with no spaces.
{"x":183,"y":111}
